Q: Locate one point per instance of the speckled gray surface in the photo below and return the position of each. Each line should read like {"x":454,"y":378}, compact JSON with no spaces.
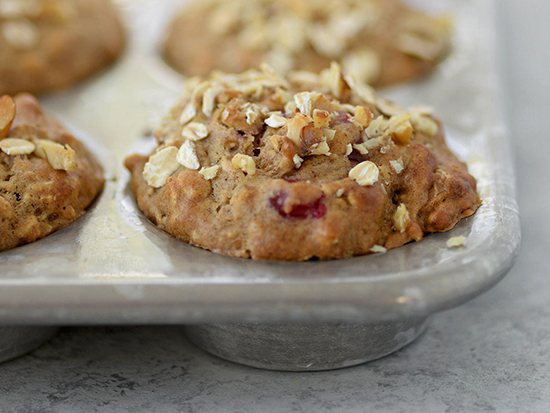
{"x":491,"y":354}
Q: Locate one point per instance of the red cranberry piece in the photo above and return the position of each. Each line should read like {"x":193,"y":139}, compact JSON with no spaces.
{"x":302,"y":211}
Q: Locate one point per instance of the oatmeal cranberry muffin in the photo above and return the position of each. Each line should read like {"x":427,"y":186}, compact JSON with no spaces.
{"x":257,"y":165}
{"x":52,"y":44}
{"x":47,"y":177}
{"x":380,"y":42}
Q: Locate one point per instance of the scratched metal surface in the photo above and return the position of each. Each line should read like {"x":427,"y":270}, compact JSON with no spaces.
{"x":113,"y":266}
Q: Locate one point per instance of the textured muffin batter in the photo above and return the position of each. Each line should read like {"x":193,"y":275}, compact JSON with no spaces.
{"x":52,"y":44}
{"x":257,"y":165}
{"x":47,"y":177}
{"x":380,"y":42}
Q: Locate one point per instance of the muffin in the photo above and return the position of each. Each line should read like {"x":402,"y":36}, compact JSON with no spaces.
{"x":47,"y":177}
{"x":308,"y":166}
{"x":380,"y":42}
{"x":52,"y":44}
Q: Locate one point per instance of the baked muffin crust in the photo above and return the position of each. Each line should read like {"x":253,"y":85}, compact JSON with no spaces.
{"x":47,"y":177}
{"x":257,"y":165}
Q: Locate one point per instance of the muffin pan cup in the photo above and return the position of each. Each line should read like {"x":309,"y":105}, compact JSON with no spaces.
{"x":112,"y":266}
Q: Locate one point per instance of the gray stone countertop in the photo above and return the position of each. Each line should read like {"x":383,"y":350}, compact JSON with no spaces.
{"x":491,"y":354}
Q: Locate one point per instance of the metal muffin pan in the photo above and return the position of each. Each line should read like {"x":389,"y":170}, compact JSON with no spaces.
{"x":113,"y":266}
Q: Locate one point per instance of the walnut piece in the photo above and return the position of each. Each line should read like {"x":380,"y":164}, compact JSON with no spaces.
{"x":245,"y":163}
{"x":161,"y":166}
{"x":7,"y":115}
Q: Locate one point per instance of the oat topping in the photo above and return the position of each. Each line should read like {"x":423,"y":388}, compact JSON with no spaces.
{"x":245,"y":163}
{"x":378,"y":249}
{"x":195,"y":131}
{"x":188,"y":113}
{"x":365,"y":174}
{"x":15,"y":146}
{"x":456,"y":242}
{"x":210,"y":173}
{"x":209,"y":99}
{"x":21,"y":34}
{"x":59,"y":157}
{"x":340,"y":192}
{"x":187,"y":156}
{"x":252,"y":102}
{"x":282,"y":30}
{"x":401,"y":218}
{"x":161,"y":166}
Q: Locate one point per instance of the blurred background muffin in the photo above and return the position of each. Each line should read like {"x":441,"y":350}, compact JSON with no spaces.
{"x":380,"y":42}
{"x":51,"y":44}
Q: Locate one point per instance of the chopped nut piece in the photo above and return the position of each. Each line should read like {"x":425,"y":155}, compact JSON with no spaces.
{"x":195,"y":131}
{"x":276,"y":121}
{"x":188,"y":114}
{"x":245,"y":163}
{"x":320,"y":148}
{"x":297,"y":161}
{"x":304,"y":102}
{"x":365,"y":174}
{"x":371,"y":144}
{"x":378,"y":249}
{"x":401,"y":218}
{"x":296,"y":125}
{"x":187,"y":156}
{"x":21,"y":34}
{"x":161,"y":166}
{"x":424,"y":125}
{"x":321,"y":118}
{"x":252,"y":112}
{"x":456,"y":242}
{"x":361,"y":148}
{"x":210,"y":173}
{"x":400,"y":129}
{"x":397,"y":166}
{"x":7,"y":115}
{"x":329,"y":134}
{"x":363,"y":116}
{"x":59,"y":157}
{"x":340,"y":192}
{"x":15,"y":146}
{"x":377,"y":127}
{"x":349,"y":149}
